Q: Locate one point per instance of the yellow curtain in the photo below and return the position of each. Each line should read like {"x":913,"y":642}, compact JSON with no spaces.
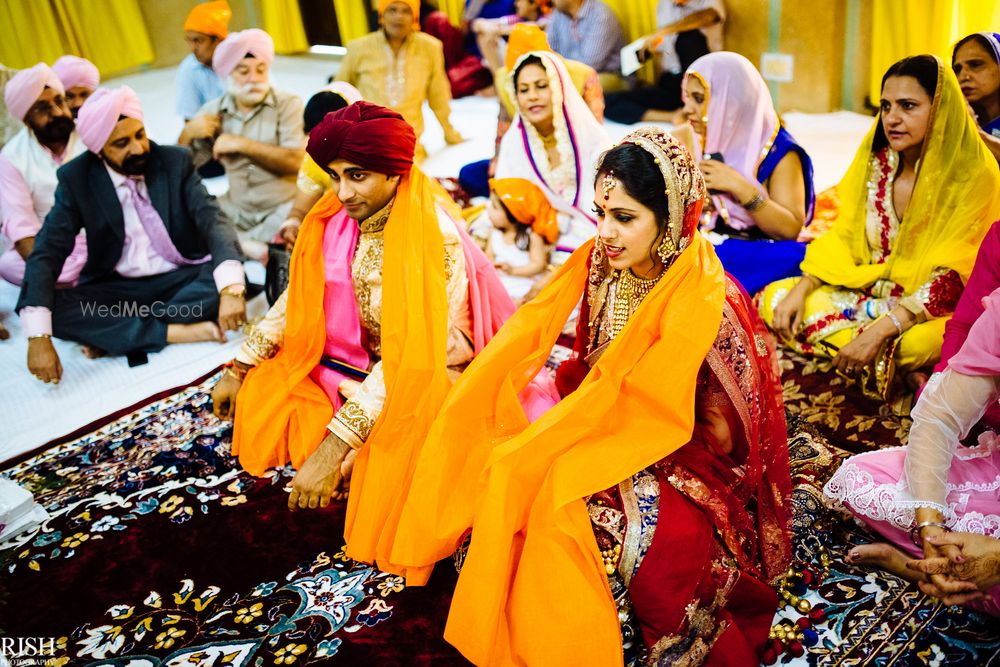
{"x":352,"y":18}
{"x":638,"y":19}
{"x":282,"y":20}
{"x":454,"y":9}
{"x":110,"y":33}
{"x":902,"y":28}
{"x":30,"y":32}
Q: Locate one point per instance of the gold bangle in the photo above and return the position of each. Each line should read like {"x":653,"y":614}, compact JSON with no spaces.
{"x":40,"y":336}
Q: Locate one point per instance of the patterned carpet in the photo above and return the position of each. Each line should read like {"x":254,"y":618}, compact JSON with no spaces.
{"x":159,"y":551}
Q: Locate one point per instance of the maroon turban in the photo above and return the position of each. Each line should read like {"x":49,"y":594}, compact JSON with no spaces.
{"x":367,"y":135}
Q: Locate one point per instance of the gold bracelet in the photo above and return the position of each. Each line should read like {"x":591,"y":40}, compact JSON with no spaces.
{"x":40,"y":336}
{"x":236,"y":289}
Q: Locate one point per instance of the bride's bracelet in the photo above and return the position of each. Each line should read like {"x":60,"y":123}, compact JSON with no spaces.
{"x":915,"y":531}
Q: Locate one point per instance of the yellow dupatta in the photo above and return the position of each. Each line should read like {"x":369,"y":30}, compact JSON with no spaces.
{"x":414,"y":362}
{"x":955,"y":199}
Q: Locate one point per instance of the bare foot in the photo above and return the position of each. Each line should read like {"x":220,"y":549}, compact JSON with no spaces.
{"x":197,"y":332}
{"x":319,"y":479}
{"x":92,"y":352}
{"x":4,"y":334}
{"x":883,"y":556}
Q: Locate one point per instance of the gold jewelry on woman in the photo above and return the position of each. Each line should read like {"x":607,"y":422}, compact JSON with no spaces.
{"x":667,"y":249}
{"x":548,"y":141}
{"x":235,"y":371}
{"x":630,"y":290}
{"x":609,"y":183}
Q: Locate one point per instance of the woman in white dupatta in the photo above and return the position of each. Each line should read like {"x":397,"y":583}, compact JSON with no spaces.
{"x":554,"y":142}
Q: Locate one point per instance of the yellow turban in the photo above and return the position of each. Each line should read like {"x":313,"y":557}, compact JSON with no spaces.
{"x":210,"y":18}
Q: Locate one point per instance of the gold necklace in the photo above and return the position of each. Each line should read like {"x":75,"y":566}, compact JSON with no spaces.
{"x":630,"y":290}
{"x":548,"y":142}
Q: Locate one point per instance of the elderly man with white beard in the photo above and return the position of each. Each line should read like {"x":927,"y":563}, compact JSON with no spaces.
{"x":255,"y":131}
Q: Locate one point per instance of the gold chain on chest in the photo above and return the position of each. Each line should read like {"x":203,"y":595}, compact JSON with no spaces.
{"x":629,"y":293}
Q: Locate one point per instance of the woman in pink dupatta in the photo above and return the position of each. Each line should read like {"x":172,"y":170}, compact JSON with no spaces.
{"x":760,"y":178}
{"x":912,"y":495}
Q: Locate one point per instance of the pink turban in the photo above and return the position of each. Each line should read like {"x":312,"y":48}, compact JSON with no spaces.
{"x":99,"y":115}
{"x":73,"y":72}
{"x":367,"y":135}
{"x":26,"y":87}
{"x":234,"y":48}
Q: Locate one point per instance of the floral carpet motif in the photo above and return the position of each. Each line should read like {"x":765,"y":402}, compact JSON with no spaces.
{"x":872,"y":618}
{"x":159,"y":551}
{"x":838,"y":410}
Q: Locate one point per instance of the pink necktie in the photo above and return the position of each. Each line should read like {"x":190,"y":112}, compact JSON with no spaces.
{"x":153,"y":225}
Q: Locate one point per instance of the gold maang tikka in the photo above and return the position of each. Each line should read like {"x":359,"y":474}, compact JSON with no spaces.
{"x":608,"y":183}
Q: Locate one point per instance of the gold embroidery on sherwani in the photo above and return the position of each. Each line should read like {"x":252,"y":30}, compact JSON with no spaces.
{"x":366,"y":272}
{"x":266,"y":336}
{"x":355,"y":419}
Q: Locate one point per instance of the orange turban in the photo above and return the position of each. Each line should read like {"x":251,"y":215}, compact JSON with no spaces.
{"x":524,"y":38}
{"x":210,"y":18}
{"x":414,"y":6}
{"x":528,"y":204}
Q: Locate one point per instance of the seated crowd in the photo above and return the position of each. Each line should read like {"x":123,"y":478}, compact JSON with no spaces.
{"x":402,"y":371}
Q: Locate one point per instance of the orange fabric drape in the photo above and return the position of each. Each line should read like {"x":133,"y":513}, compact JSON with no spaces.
{"x":282,"y":414}
{"x":533,"y":589}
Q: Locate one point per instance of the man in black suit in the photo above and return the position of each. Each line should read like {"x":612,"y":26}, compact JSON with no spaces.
{"x":163,"y":266}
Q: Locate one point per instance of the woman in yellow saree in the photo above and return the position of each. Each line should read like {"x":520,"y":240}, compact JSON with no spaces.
{"x":878,"y":288}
